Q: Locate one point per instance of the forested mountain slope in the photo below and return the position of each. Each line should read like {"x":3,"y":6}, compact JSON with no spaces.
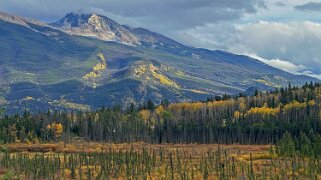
{"x":87,"y":61}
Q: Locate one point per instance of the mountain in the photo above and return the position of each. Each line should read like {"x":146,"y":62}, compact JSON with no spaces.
{"x":85,"y":61}
{"x":104,"y":28}
{"x":92,"y":25}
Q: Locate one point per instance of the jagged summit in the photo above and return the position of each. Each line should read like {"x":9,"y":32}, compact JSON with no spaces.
{"x":78,"y":19}
{"x":104,"y":28}
{"x":96,"y":26}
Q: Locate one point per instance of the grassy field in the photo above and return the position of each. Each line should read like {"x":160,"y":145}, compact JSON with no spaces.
{"x":147,"y":161}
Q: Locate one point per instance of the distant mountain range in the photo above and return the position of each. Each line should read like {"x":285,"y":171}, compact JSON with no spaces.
{"x":85,"y":61}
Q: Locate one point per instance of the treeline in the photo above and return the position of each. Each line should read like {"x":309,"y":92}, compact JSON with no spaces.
{"x":259,"y":119}
{"x":304,"y":145}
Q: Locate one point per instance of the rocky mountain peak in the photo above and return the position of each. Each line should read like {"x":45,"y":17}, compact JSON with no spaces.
{"x":97,"y":26}
{"x":103,"y":28}
{"x":74,"y":20}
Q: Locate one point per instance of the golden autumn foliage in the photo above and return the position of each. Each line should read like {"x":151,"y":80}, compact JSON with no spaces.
{"x":295,"y":105}
{"x":149,"y":71}
{"x":197,"y":91}
{"x":216,"y":106}
{"x":164,"y":80}
{"x":57,"y":128}
{"x":242,"y":107}
{"x":264,"y":111}
{"x":312,"y":103}
{"x":145,"y":114}
{"x":159,"y":110}
{"x":160,"y":77}
{"x":221,"y":104}
{"x":237,"y":115}
{"x":102,"y":65}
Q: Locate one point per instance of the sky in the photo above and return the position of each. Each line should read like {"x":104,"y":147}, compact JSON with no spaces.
{"x":285,"y":34}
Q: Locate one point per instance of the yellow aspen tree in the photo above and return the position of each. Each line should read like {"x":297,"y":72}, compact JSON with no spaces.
{"x":145,"y":114}
{"x":58,"y":129}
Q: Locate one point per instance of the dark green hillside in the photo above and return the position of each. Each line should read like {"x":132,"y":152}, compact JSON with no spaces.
{"x":45,"y":67}
{"x":41,"y":57}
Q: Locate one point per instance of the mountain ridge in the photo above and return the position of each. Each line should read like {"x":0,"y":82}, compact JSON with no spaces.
{"x":99,"y":26}
{"x":112,"y":72}
{"x":93,"y":25}
{"x":20,"y":20}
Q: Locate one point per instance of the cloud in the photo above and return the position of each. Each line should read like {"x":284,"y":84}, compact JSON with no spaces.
{"x":287,"y":66}
{"x":280,"y":4}
{"x":310,"y":6}
{"x":284,"y":65}
{"x":176,"y":14}
{"x":295,"y":42}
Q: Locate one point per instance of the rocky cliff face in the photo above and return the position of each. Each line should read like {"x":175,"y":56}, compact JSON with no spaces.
{"x":96,"y":26}
{"x":106,"y":29}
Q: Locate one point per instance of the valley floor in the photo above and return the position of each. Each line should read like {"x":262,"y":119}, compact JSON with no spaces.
{"x":151,"y":161}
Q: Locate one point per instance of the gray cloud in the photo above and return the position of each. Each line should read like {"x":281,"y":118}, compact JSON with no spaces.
{"x":289,"y":67}
{"x":280,"y":4}
{"x":176,"y":14}
{"x":284,"y":65}
{"x":295,"y":42}
{"x":311,"y":6}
